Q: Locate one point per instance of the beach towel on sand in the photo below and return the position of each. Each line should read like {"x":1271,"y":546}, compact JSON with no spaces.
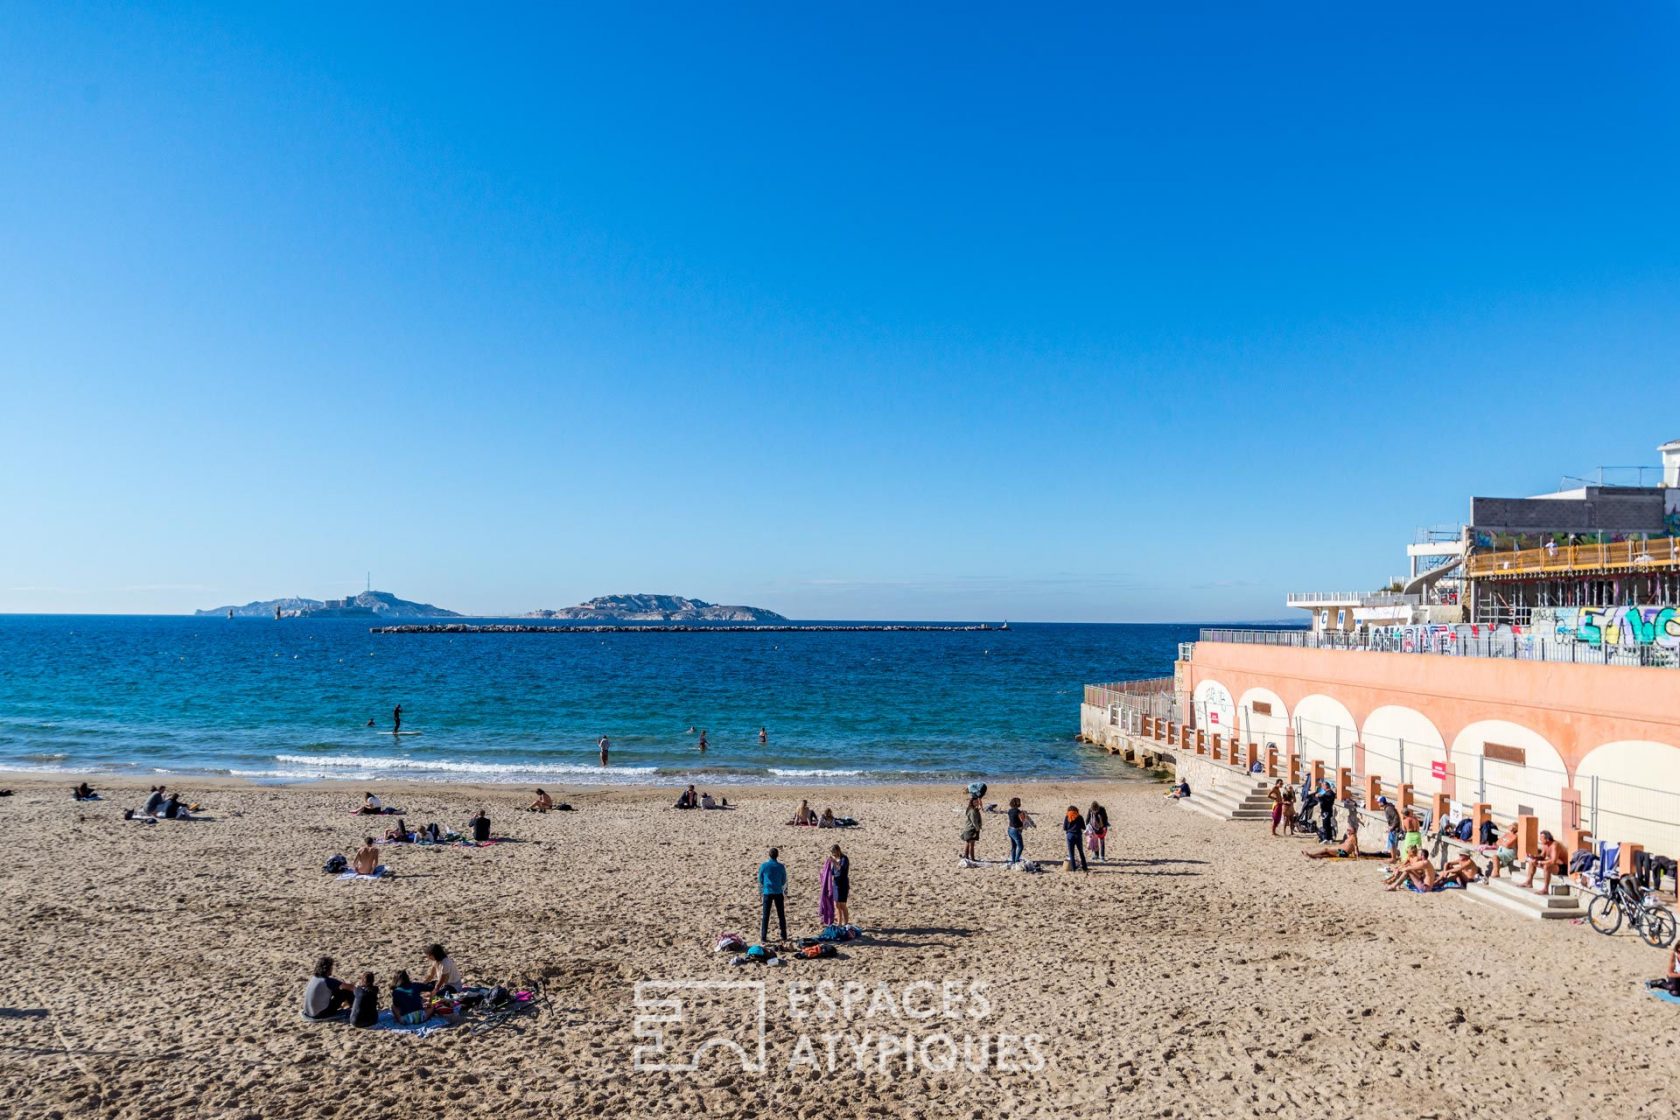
{"x":388,"y":1022}
{"x":380,"y":872}
{"x":1666,"y":997}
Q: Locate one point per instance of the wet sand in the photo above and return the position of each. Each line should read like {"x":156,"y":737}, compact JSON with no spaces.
{"x":1205,"y":970}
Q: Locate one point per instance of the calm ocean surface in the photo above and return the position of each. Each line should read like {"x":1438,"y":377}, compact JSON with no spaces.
{"x":289,"y":700}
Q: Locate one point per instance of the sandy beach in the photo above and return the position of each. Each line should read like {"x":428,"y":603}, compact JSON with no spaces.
{"x":1205,"y":970}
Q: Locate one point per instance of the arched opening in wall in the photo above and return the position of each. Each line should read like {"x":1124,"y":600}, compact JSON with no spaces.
{"x":1404,"y":746}
{"x":1325,"y":732}
{"x":1630,"y":792}
{"x":1264,"y":719}
{"x":1513,"y":768}
{"x":1212,"y":709}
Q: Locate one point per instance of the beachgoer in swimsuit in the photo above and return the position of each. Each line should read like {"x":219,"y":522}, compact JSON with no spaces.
{"x":399,"y":834}
{"x":603,"y":744}
{"x":1275,"y":795}
{"x":543,"y":803}
{"x":763,"y":736}
{"x":702,"y":742}
{"x":1550,"y":859}
{"x":366,"y":861}
{"x":804,"y":814}
{"x":1505,"y":852}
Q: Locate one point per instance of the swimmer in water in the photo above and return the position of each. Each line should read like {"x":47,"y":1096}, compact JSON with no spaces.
{"x":763,"y":736}
{"x":603,"y":744}
{"x":396,"y":719}
{"x":702,"y":742}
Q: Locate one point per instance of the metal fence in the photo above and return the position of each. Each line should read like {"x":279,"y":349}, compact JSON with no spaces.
{"x":1457,"y":640}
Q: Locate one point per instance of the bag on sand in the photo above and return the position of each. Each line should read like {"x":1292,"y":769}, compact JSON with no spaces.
{"x":337,"y":865}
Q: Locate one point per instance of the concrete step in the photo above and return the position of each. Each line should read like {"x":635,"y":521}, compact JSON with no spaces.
{"x":1508,"y":894}
{"x":1232,"y":802}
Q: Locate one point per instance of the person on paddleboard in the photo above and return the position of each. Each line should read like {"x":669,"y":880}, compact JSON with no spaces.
{"x":396,"y":719}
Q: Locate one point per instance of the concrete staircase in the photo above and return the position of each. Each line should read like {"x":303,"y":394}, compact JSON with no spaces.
{"x":1234,"y":800}
{"x":1507,"y":893}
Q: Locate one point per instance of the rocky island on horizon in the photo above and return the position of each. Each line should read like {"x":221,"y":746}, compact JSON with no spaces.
{"x":368,"y":604}
{"x":655,"y":608}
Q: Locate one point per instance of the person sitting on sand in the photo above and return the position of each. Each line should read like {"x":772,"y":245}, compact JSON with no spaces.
{"x":543,"y":803}
{"x":444,"y":977}
{"x":172,"y":810}
{"x":1671,"y":982}
{"x":688,"y":799}
{"x":364,"y":1002}
{"x":371,"y":805}
{"x":827,"y":820}
{"x":707,"y":801}
{"x":399,"y":834}
{"x":83,"y":792}
{"x":325,"y":995}
{"x":1462,"y":868}
{"x":1180,"y":791}
{"x":366,"y":859}
{"x":431,"y":834}
{"x":1550,"y":859}
{"x":408,"y":999}
{"x":804,"y":814}
{"x":154,"y":802}
{"x":1398,"y":869}
{"x":480,"y":826}
{"x":1417,"y":869}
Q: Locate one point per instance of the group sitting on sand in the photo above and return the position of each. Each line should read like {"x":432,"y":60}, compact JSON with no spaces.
{"x":161,"y":804}
{"x":327,"y":997}
{"x":807,"y":817}
{"x":689,"y":799}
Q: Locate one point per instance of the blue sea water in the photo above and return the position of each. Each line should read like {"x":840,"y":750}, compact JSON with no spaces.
{"x":290,"y":700}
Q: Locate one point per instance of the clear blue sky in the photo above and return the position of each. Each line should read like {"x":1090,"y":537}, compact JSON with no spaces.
{"x":1118,"y":312}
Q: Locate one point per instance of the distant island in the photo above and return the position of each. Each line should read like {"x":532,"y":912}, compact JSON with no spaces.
{"x":369,"y":604}
{"x":655,"y":608}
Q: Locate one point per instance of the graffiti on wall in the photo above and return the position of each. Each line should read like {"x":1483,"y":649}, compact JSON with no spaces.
{"x":1496,"y":641}
{"x":1612,"y":626}
{"x":1671,"y":510}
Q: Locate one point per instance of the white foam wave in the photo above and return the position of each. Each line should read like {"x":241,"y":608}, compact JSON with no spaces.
{"x":817,"y":773}
{"x":448,"y":766}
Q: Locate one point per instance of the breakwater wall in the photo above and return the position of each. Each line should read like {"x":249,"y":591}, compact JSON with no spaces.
{"x":667,"y":628}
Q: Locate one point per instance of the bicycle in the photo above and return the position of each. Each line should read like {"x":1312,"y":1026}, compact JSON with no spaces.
{"x":1649,"y":918}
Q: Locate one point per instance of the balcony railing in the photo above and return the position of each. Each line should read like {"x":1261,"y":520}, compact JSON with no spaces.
{"x":1657,"y":554}
{"x":1458,"y":640}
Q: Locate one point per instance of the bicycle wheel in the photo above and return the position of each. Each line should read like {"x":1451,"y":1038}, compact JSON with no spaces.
{"x":1659,"y":927}
{"x":1603,"y":914}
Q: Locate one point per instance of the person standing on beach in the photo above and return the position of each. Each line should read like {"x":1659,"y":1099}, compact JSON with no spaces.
{"x":1326,"y":812}
{"x":842,"y":885}
{"x":971,"y":829}
{"x":825,"y":891}
{"x":1017,"y":821}
{"x":1275,"y":794}
{"x":1073,"y":825}
{"x":603,"y":744}
{"x":396,"y":719}
{"x":772,"y":889}
{"x":1096,"y":823}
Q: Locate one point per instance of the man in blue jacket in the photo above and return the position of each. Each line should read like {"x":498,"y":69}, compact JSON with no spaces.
{"x":772,"y":884}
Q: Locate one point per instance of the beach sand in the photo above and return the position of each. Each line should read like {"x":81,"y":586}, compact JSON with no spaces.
{"x":1208,"y":970}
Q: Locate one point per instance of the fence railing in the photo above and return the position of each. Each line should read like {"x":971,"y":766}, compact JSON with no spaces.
{"x":1620,"y":556}
{"x":1153,"y":697}
{"x":1457,"y":640}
